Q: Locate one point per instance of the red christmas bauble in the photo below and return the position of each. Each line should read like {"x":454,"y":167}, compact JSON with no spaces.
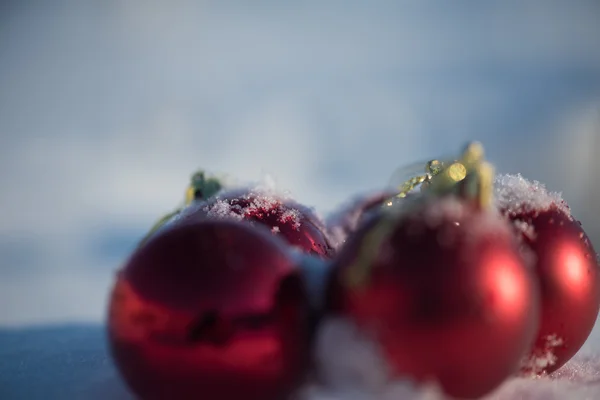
{"x":443,"y":290}
{"x":295,"y":223}
{"x":566,"y":267}
{"x":213,"y":310}
{"x":348,"y":218}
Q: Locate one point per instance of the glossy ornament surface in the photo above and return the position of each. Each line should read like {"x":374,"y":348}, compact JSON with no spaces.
{"x":349,"y":217}
{"x":440,"y":286}
{"x":446,"y":296}
{"x":285,"y":218}
{"x":565,"y":264}
{"x":212,"y":310}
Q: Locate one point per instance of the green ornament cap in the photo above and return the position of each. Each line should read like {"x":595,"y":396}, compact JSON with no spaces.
{"x":470,"y":177}
{"x":202,"y":187}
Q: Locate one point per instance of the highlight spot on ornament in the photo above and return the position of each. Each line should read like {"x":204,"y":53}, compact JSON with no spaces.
{"x":558,"y":251}
{"x":574,"y":266}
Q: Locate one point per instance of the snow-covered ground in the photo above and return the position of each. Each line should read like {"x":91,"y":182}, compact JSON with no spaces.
{"x":71,"y":362}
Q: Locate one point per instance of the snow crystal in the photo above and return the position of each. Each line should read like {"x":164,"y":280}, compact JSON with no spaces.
{"x":260,"y":202}
{"x":515,"y":194}
{"x":222,"y":209}
{"x":538,"y":361}
{"x":526,"y":229}
{"x":292,"y":216}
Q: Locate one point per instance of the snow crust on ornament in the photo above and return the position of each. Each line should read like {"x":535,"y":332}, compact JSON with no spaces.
{"x":259,"y":203}
{"x":557,"y":248}
{"x":266,"y":206}
{"x":516,"y":194}
{"x":536,"y":363}
{"x":262,"y":196}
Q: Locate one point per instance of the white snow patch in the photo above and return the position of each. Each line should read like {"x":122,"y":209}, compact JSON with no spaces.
{"x":526,"y":229}
{"x":222,"y":209}
{"x":538,"y":361}
{"x":261,"y":200}
{"x":292,"y":216}
{"x":515,"y":194}
{"x":347,"y":357}
{"x":351,"y":367}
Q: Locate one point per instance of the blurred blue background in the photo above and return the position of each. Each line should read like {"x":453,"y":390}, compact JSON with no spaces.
{"x":107,"y":107}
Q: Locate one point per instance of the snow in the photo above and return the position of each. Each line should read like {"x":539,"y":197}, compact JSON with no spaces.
{"x":72,"y":362}
{"x":540,"y":360}
{"x":291,"y":216}
{"x":222,"y":209}
{"x":351,"y":368}
{"x":262,"y":198}
{"x":347,"y":358}
{"x":515,"y":194}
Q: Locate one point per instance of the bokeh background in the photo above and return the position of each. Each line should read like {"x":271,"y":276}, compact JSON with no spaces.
{"x":107,"y":107}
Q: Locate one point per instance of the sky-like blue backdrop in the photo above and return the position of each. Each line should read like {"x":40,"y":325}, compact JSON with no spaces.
{"x":107,"y":107}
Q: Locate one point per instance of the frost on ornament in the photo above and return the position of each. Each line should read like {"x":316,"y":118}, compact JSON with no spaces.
{"x":543,"y":357}
{"x":263,"y":205}
{"x":517,"y":195}
{"x":255,"y":205}
{"x":564,"y":262}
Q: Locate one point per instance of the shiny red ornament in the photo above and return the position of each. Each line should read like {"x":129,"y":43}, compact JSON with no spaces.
{"x":566,"y":267}
{"x":295,"y":223}
{"x":443,"y":290}
{"x":348,"y":218}
{"x":214,"y":310}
